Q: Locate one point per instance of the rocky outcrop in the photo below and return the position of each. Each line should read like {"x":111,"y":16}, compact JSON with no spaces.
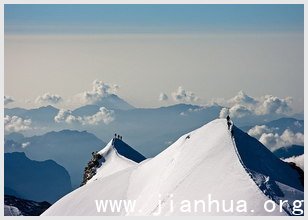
{"x":90,"y":169}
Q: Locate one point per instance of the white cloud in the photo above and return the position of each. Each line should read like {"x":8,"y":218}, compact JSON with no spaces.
{"x":236,"y":111}
{"x":242,"y":99}
{"x":270,"y":140}
{"x":224,"y":112}
{"x":24,"y":145}
{"x":98,"y":92}
{"x":239,"y":111}
{"x":66,"y":116}
{"x":274,"y":141}
{"x":48,"y":98}
{"x":299,"y":161}
{"x":16,"y":124}
{"x":181,"y":95}
{"x":290,"y":138}
{"x":163,"y":97}
{"x":258,"y":130}
{"x":8,"y":99}
{"x":242,"y":105}
{"x":103,"y":115}
{"x":271,"y":105}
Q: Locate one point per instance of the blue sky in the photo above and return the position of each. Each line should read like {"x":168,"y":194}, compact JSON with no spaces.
{"x":85,"y":19}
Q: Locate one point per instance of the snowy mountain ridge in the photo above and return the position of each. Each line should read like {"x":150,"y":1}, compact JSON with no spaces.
{"x":205,"y":162}
{"x":116,"y":156}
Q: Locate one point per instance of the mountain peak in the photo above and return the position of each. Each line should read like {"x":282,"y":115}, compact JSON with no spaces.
{"x":111,"y":101}
{"x":115,"y":156}
{"x":126,"y":151}
{"x":231,"y":166}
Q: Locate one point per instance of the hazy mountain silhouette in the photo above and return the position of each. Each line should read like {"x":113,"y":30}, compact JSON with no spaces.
{"x":35,"y":180}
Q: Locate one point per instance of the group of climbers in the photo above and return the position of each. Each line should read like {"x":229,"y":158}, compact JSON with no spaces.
{"x":117,"y":136}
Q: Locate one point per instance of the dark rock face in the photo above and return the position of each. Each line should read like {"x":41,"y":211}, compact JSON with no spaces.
{"x":26,"y":207}
{"x":300,"y":172}
{"x":34,"y":180}
{"x":90,"y":169}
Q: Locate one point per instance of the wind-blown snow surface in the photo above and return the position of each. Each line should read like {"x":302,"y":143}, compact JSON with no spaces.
{"x":200,"y":163}
{"x":116,"y":156}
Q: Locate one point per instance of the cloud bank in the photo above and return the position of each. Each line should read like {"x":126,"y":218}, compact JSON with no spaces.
{"x":258,"y":130}
{"x":273,"y":140}
{"x":270,"y":105}
{"x":66,"y":116}
{"x":242,"y":98}
{"x":48,"y":98}
{"x":243,"y":105}
{"x":16,"y":124}
{"x":102,"y":116}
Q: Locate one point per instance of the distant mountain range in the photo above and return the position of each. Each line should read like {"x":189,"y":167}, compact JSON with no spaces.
{"x":281,"y":124}
{"x":41,"y":115}
{"x":291,"y":151}
{"x":34,"y":180}
{"x":150,"y":130}
{"x":70,"y":149}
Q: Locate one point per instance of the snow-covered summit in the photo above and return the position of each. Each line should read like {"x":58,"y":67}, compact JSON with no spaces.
{"x":208,"y":161}
{"x":115,"y":156}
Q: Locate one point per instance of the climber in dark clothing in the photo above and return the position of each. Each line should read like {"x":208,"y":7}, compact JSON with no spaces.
{"x":228,"y":118}
{"x":229,"y":124}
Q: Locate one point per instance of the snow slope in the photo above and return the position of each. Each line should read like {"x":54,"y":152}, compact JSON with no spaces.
{"x":116,"y":156}
{"x":205,"y":161}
